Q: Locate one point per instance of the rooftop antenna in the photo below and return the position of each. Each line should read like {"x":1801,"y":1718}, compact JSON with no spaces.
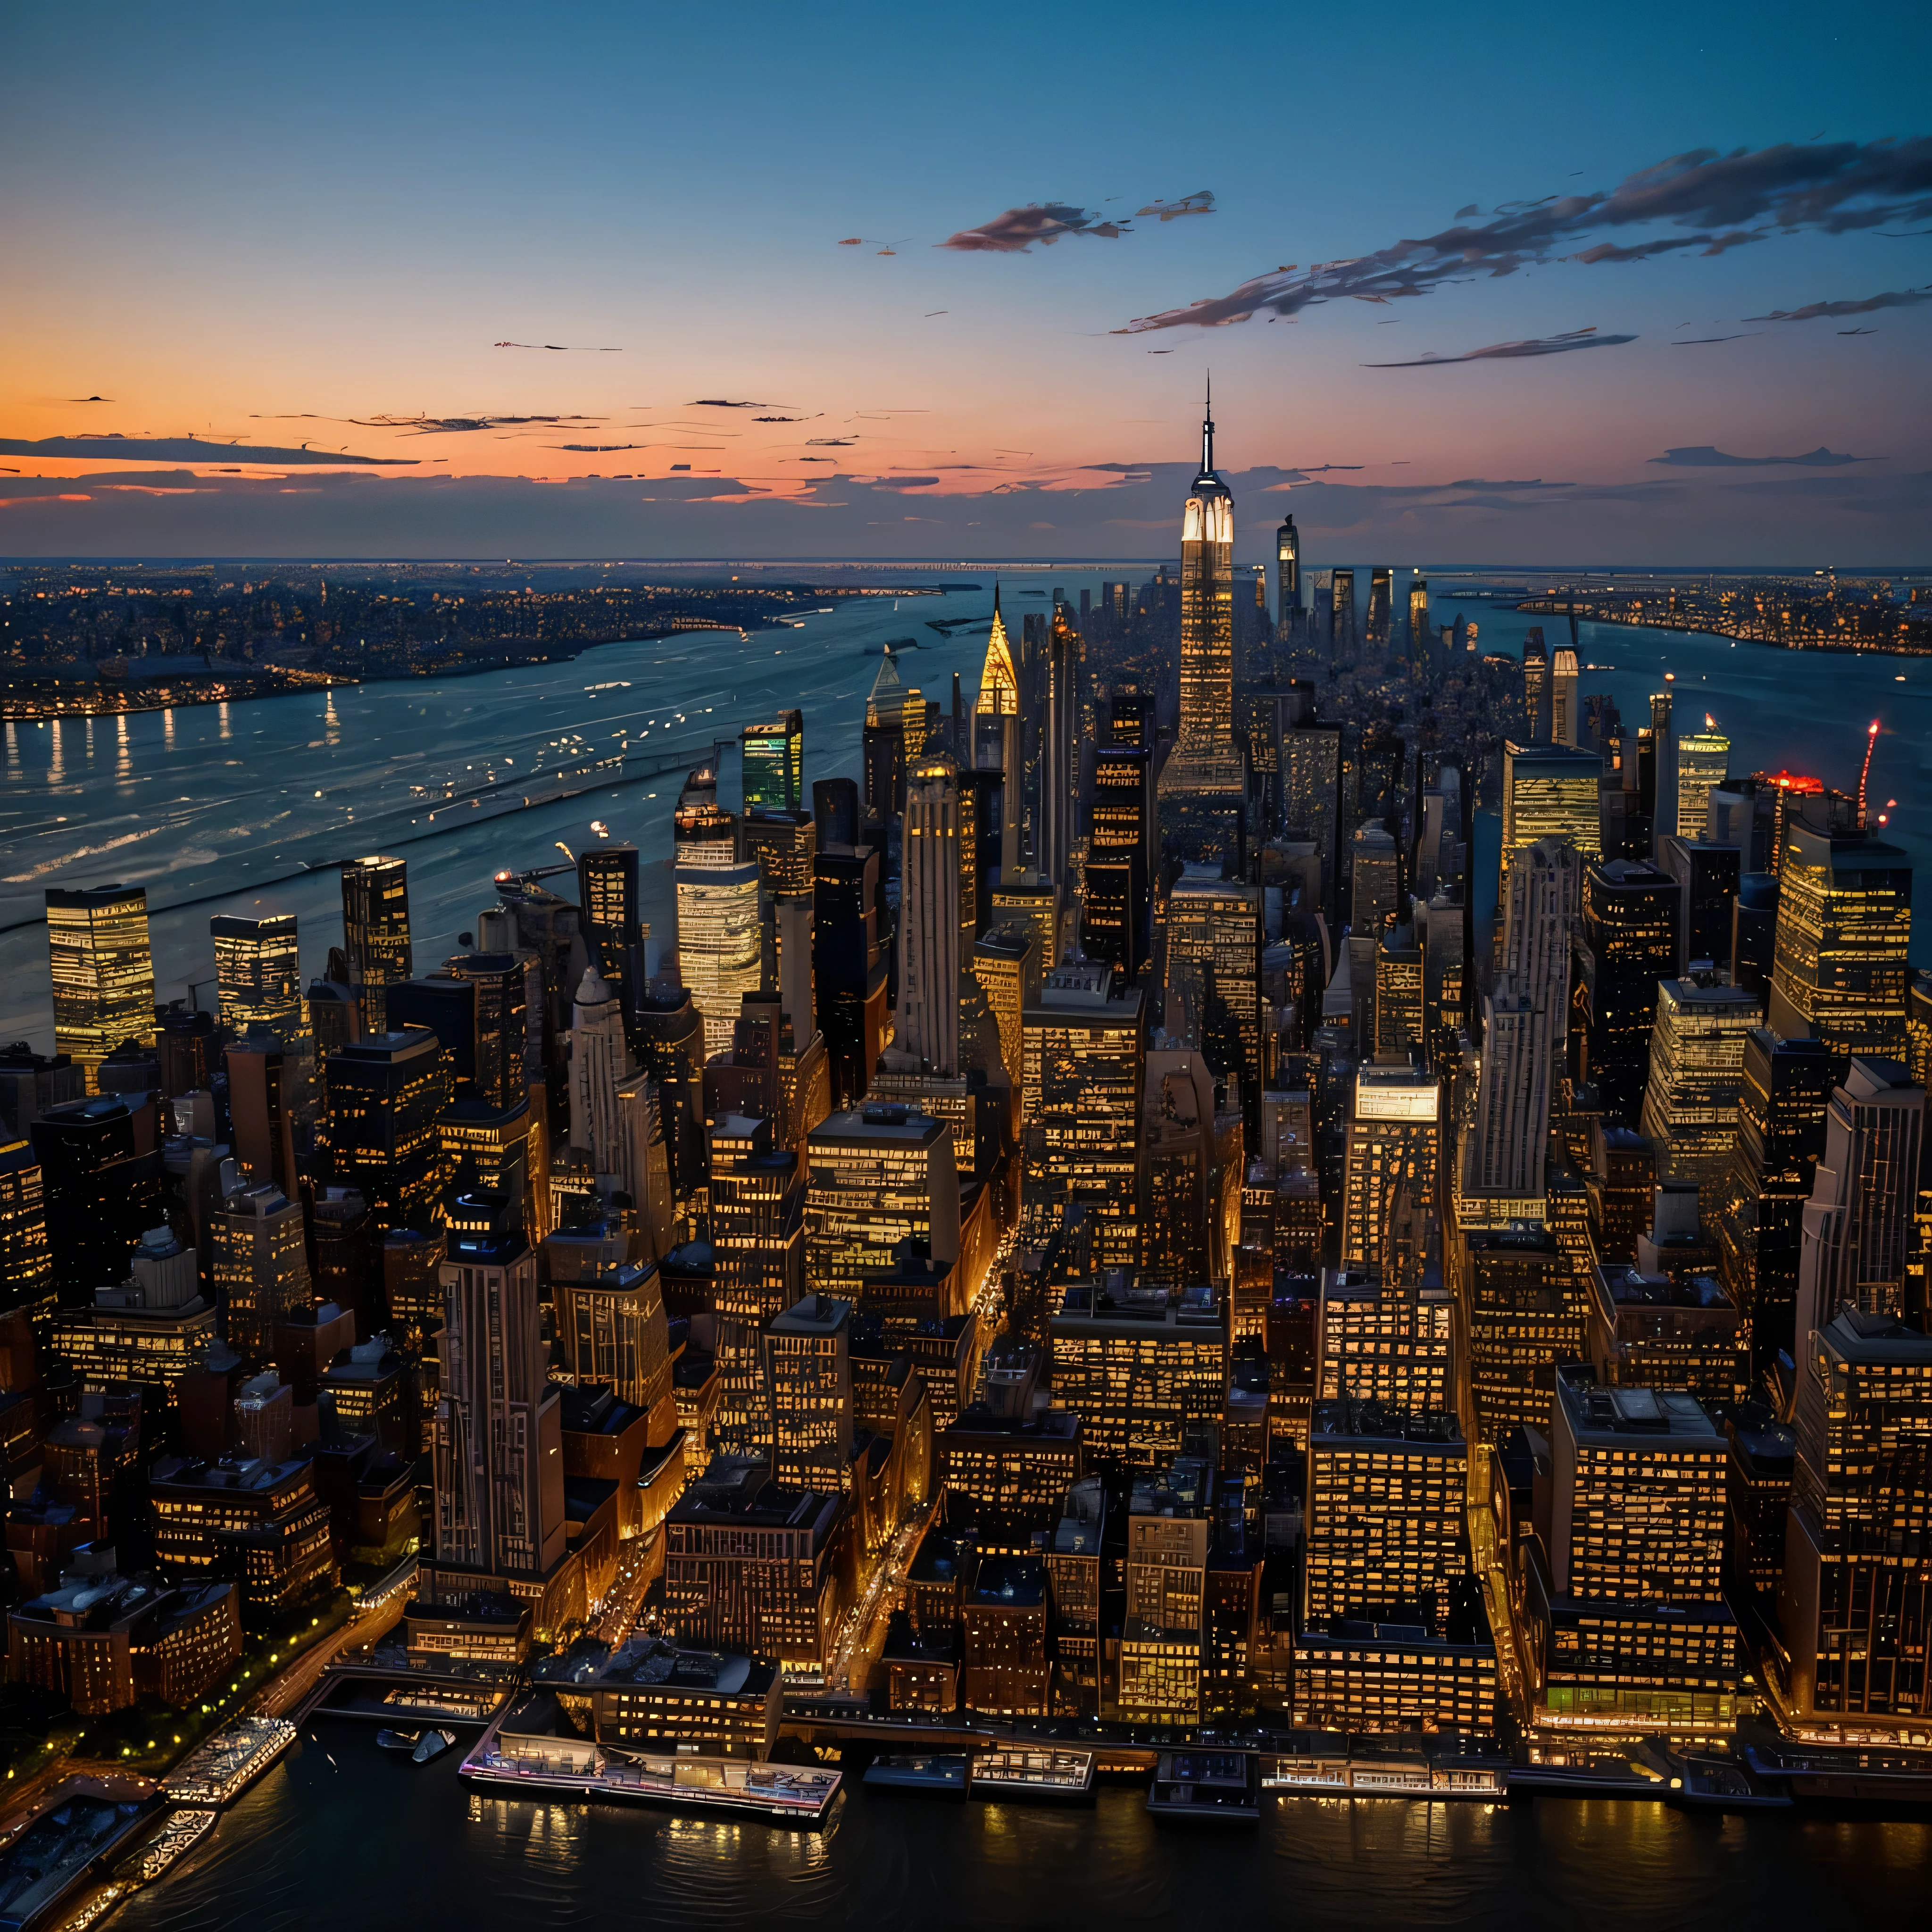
{"x":1865,"y":776}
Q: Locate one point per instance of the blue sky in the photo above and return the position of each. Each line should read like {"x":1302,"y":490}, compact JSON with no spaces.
{"x":271,"y":227}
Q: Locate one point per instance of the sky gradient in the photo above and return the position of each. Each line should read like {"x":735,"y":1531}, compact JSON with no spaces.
{"x":271,"y":229}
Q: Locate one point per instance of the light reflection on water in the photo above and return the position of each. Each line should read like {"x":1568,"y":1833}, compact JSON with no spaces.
{"x":362,"y":746}
{"x":371,"y":1839}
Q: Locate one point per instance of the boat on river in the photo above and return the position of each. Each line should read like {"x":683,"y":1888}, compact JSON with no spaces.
{"x":925,"y":1774}
{"x":1211,"y":1787}
{"x":398,"y":1741}
{"x":1033,"y":1775}
{"x":431,"y":1746}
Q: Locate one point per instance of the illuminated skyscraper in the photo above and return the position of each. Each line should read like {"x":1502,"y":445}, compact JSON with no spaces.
{"x":376,"y":934}
{"x":386,"y":1094}
{"x":878,"y":1177}
{"x":1844,"y":920}
{"x":599,"y":1064}
{"x":1853,"y":1608}
{"x":929,"y":1009}
{"x":1374,"y":874}
{"x":758,"y":1232}
{"x":1393,"y":1142}
{"x":1205,"y":758}
{"x":1858,"y":1223}
{"x":1629,"y":943}
{"x":1082,"y":1064}
{"x":1565,"y":725}
{"x":1006,"y":962}
{"x":498,"y":1462}
{"x":1214,"y":930}
{"x":849,"y":966}
{"x":1703,"y":764}
{"x":718,"y":947}
{"x":1536,"y":704}
{"x":1287,"y":576}
{"x":259,"y":1268}
{"x":1419,"y":629}
{"x":1786,"y":1089}
{"x":808,"y":1371}
{"x":1341,"y":617}
{"x":257,"y":973}
{"x":1382,"y":601}
{"x":1550,"y":791}
{"x":103,"y":970}
{"x":26,"y":1261}
{"x":1060,"y":745}
{"x":1631,"y":1610}
{"x":772,"y":757}
{"x":1696,"y":1070}
{"x":1114,"y":912}
{"x":606,"y":885}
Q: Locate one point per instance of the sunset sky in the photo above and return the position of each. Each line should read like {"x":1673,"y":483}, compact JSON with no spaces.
{"x":269,"y":228}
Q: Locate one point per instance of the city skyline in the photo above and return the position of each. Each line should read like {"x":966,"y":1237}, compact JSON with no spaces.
{"x":507,"y":336}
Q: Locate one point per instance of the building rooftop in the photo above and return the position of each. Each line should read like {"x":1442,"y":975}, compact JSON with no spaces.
{"x":1606,"y":1414}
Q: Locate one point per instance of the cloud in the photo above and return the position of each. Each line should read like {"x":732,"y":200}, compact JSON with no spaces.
{"x":1705,"y":457}
{"x":719,"y":403}
{"x":1817,"y":311}
{"x":562,"y":348}
{"x":1014,"y":231}
{"x":108,"y":447}
{"x":426,"y":425}
{"x":1539,"y":345}
{"x":1724,"y":200}
{"x":1699,"y":341}
{"x":1200,"y":201}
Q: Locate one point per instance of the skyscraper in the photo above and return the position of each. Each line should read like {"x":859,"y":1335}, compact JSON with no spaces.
{"x":849,"y":968}
{"x":376,"y":934}
{"x":1214,"y":933}
{"x":103,"y":971}
{"x":928,"y":1022}
{"x":1287,"y":577}
{"x":1629,"y":943}
{"x":1085,"y":1044}
{"x":1381,"y":600}
{"x":386,"y":1094}
{"x":26,"y":1261}
{"x":718,"y":945}
{"x":1703,"y":764}
{"x":1696,"y":1071}
{"x":1844,"y":920}
{"x":606,"y":885}
{"x":259,"y":1268}
{"x":599,"y":1065}
{"x":1550,"y":791}
{"x":1394,"y":1134}
{"x":1114,"y":910}
{"x":772,"y":757}
{"x":1853,"y":1607}
{"x":498,"y":1462}
{"x":1205,"y":758}
{"x":1786,"y":1089}
{"x":257,"y":973}
{"x":1858,"y":1222}
{"x":1565,"y":726}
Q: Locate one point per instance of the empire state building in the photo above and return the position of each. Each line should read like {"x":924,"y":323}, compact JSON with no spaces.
{"x":1206,"y":758}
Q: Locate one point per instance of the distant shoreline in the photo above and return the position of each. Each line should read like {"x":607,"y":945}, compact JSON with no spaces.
{"x":1537,"y":607}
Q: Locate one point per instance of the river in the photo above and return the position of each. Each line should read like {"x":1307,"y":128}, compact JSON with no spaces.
{"x":197,"y":801}
{"x":339,"y":1834}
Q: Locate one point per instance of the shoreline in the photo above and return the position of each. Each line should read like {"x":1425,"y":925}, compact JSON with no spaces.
{"x":1535,"y":607}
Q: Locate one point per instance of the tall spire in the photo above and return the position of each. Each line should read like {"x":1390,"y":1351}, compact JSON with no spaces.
{"x":1207,"y":431}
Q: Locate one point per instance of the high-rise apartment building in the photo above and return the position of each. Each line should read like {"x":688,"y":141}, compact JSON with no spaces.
{"x":1114,"y":911}
{"x":26,"y":1260}
{"x":103,"y":971}
{"x":1142,"y":1370}
{"x":1565,"y":725}
{"x":719,"y":943}
{"x":1006,"y":962}
{"x":849,"y":968}
{"x":809,"y":1372}
{"x":758,"y":1259}
{"x":376,"y":934}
